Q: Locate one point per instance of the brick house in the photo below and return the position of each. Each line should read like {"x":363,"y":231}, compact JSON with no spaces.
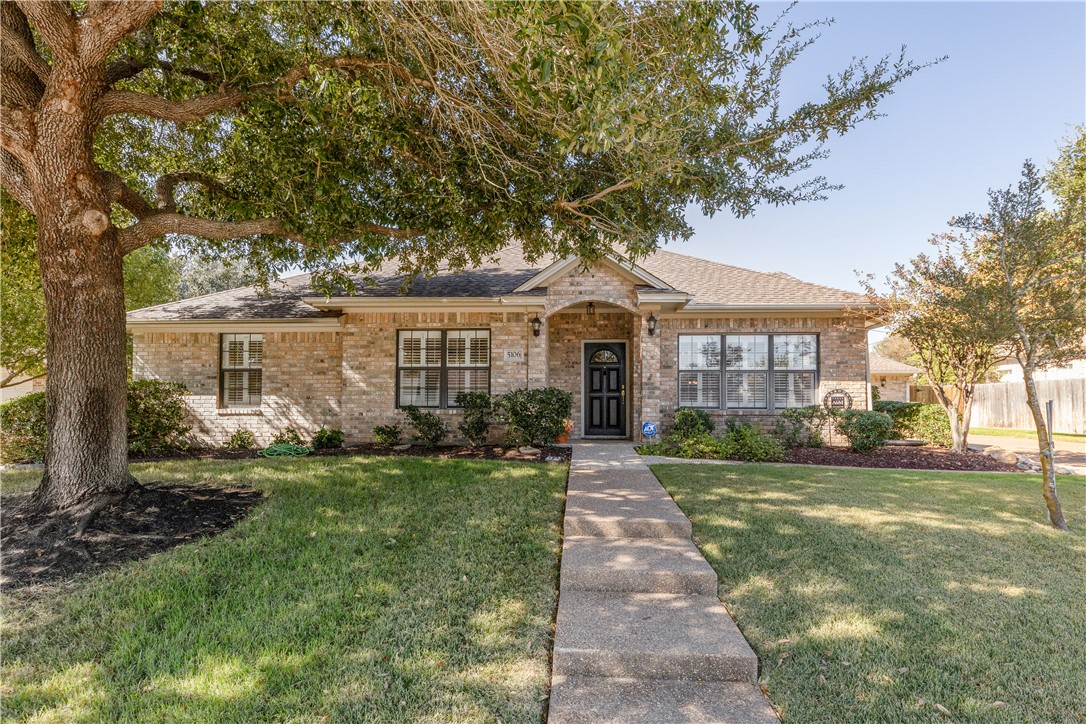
{"x":631,"y":342}
{"x":891,"y":377}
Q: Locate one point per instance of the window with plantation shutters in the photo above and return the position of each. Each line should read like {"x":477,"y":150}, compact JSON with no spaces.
{"x":434,"y":366}
{"x":748,"y":371}
{"x":241,"y":359}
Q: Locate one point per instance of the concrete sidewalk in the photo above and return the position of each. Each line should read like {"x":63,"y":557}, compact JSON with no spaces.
{"x":641,"y":635}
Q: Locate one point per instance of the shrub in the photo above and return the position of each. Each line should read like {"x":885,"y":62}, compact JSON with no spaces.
{"x":802,"y":426}
{"x":535,"y":417}
{"x":326,"y":439}
{"x":156,"y":422}
{"x":865,"y":430}
{"x":691,"y":421}
{"x":430,"y":429}
{"x":22,"y":429}
{"x":744,"y":442}
{"x":156,"y":417}
{"x":242,"y":439}
{"x":700,"y":445}
{"x":388,"y":434}
{"x":917,"y":420}
{"x":478,"y":411}
{"x":288,"y":436}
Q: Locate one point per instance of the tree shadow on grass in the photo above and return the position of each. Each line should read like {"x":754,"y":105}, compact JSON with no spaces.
{"x":361,"y":590}
{"x":874,"y":595}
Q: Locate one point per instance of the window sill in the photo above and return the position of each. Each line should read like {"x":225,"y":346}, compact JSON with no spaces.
{"x":240,"y":412}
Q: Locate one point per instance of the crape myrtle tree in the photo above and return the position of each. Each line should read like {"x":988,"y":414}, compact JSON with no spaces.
{"x":941,"y":308}
{"x":302,"y":134}
{"x":1035,"y":260}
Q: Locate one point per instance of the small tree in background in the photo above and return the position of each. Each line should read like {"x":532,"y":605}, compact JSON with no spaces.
{"x":1035,"y":260}
{"x":940,"y":306}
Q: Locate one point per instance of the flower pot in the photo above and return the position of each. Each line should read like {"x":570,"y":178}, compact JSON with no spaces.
{"x":563,"y":438}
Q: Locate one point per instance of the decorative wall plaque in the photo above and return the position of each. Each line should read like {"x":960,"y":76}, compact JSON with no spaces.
{"x":837,"y":400}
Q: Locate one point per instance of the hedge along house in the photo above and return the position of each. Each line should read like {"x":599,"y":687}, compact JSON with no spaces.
{"x":631,"y":342}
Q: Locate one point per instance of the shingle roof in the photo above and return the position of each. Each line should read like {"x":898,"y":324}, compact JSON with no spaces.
{"x":708,"y":282}
{"x":884,"y":365}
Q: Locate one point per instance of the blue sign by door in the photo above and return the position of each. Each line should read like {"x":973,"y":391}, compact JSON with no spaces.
{"x":648,"y":429}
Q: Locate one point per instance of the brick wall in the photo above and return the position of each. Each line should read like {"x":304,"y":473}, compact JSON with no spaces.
{"x":891,"y":387}
{"x":301,"y":381}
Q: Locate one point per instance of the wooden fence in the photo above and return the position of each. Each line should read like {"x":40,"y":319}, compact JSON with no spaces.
{"x":1003,"y":404}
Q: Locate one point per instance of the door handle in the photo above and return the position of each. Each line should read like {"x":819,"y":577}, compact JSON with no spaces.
{"x":623,"y":393}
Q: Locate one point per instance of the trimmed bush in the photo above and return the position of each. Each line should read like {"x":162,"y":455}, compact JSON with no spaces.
{"x":918,"y":420}
{"x":690,"y":421}
{"x":156,"y":422}
{"x":242,"y":439}
{"x":699,"y":446}
{"x":388,"y":434}
{"x":478,"y":411}
{"x":288,"y":436}
{"x":535,"y":417}
{"x":430,"y":429}
{"x":22,"y":429}
{"x":746,"y":443}
{"x":326,"y":439}
{"x":866,"y":430}
{"x":156,"y":417}
{"x":802,"y":426}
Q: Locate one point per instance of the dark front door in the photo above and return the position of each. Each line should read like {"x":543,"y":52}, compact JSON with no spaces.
{"x":605,"y":389}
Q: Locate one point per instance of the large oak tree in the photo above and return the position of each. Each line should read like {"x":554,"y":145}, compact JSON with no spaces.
{"x":306,"y":134}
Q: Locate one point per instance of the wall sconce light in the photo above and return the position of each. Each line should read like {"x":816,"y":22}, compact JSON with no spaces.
{"x":537,"y":326}
{"x":591,"y":307}
{"x":652,"y":324}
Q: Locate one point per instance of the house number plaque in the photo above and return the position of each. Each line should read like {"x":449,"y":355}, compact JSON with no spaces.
{"x":514,"y":355}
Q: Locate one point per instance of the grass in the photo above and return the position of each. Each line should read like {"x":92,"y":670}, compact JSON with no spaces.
{"x":873,"y":595}
{"x":394,"y":589}
{"x":1027,"y":434}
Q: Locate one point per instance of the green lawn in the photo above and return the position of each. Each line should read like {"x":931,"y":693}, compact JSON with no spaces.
{"x":1028,"y":434}
{"x":874,"y":595}
{"x":363,"y":589}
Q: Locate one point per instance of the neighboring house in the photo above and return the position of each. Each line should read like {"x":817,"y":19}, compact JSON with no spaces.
{"x":20,"y":388}
{"x":891,"y":377}
{"x":631,"y":342}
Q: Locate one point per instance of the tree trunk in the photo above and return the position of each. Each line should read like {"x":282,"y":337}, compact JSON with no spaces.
{"x":951,"y":410}
{"x":1044,"y":440}
{"x":86,"y":455}
{"x":86,"y":388}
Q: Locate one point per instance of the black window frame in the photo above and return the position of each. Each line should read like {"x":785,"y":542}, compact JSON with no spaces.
{"x":223,"y":404}
{"x":444,"y":367}
{"x":770,"y":370}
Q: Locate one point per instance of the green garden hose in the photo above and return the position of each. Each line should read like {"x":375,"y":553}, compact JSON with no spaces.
{"x":283,"y":449}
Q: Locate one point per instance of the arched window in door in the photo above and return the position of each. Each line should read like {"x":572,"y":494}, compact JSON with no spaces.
{"x":604,"y":356}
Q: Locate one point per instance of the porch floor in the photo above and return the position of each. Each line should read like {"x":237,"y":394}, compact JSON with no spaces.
{"x":641,"y":635}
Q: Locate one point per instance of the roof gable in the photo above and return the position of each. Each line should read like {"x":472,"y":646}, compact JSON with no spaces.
{"x":560,"y":268}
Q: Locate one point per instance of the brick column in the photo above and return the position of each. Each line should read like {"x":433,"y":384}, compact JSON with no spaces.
{"x":651,"y":404}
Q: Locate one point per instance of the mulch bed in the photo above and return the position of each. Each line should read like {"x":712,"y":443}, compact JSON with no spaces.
{"x":458,"y":452}
{"x":40,"y":549}
{"x":912,"y":458}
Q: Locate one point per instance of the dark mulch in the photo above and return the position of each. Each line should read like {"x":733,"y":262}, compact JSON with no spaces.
{"x":459,"y":452}
{"x":41,"y":549}
{"x":912,"y":458}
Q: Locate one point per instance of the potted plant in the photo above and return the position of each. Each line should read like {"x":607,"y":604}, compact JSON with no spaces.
{"x":564,"y":437}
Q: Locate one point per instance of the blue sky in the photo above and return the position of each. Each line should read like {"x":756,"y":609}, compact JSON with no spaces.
{"x":1013,"y":86}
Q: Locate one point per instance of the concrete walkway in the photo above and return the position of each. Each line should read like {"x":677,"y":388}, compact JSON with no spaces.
{"x":641,"y":635}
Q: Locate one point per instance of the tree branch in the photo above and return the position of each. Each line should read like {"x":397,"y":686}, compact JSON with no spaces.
{"x":107,"y":22}
{"x":117,"y":102}
{"x":18,"y":41}
{"x":13,"y":178}
{"x":55,"y":23}
{"x":158,"y":224}
{"x":166,"y":185}
{"x":128,"y":67}
{"x":123,"y":194}
{"x":572,"y":205}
